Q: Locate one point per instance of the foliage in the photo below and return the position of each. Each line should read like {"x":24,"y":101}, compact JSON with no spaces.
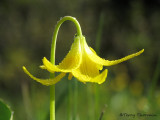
{"x":5,"y":112}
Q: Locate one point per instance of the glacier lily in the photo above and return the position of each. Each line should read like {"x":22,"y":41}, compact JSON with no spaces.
{"x":82,"y":62}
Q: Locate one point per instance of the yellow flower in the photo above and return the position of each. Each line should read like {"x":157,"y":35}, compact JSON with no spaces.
{"x":82,"y":62}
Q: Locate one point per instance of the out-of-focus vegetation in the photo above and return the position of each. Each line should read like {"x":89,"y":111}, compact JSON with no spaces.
{"x":26,"y":28}
{"x":5,"y":112}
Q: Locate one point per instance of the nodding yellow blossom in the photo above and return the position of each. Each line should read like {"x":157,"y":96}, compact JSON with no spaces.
{"x":82,"y":62}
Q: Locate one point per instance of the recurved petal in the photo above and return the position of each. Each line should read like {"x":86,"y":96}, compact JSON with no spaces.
{"x":95,"y":58}
{"x":45,"y":81}
{"x":70,"y":62}
{"x":100,"y":78}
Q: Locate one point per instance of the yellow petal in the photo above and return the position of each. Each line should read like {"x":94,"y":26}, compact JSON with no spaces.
{"x":87,"y":67}
{"x":95,"y":58}
{"x":104,"y":62}
{"x":100,"y":78}
{"x":70,"y":62}
{"x":88,"y":70}
{"x":45,"y":81}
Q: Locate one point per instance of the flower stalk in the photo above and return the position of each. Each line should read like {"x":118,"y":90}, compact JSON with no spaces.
{"x":52,"y":58}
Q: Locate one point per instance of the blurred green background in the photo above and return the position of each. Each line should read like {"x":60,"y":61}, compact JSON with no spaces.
{"x":113,"y":28}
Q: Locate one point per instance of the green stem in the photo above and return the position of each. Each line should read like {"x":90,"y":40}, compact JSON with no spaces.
{"x":52,"y":102}
{"x":99,"y":33}
{"x":54,"y":38}
{"x":52,"y":58}
{"x":154,"y":83}
{"x":75,"y":99}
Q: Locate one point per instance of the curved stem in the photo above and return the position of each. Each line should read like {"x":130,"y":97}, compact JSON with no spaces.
{"x":54,"y":38}
{"x":52,"y":58}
